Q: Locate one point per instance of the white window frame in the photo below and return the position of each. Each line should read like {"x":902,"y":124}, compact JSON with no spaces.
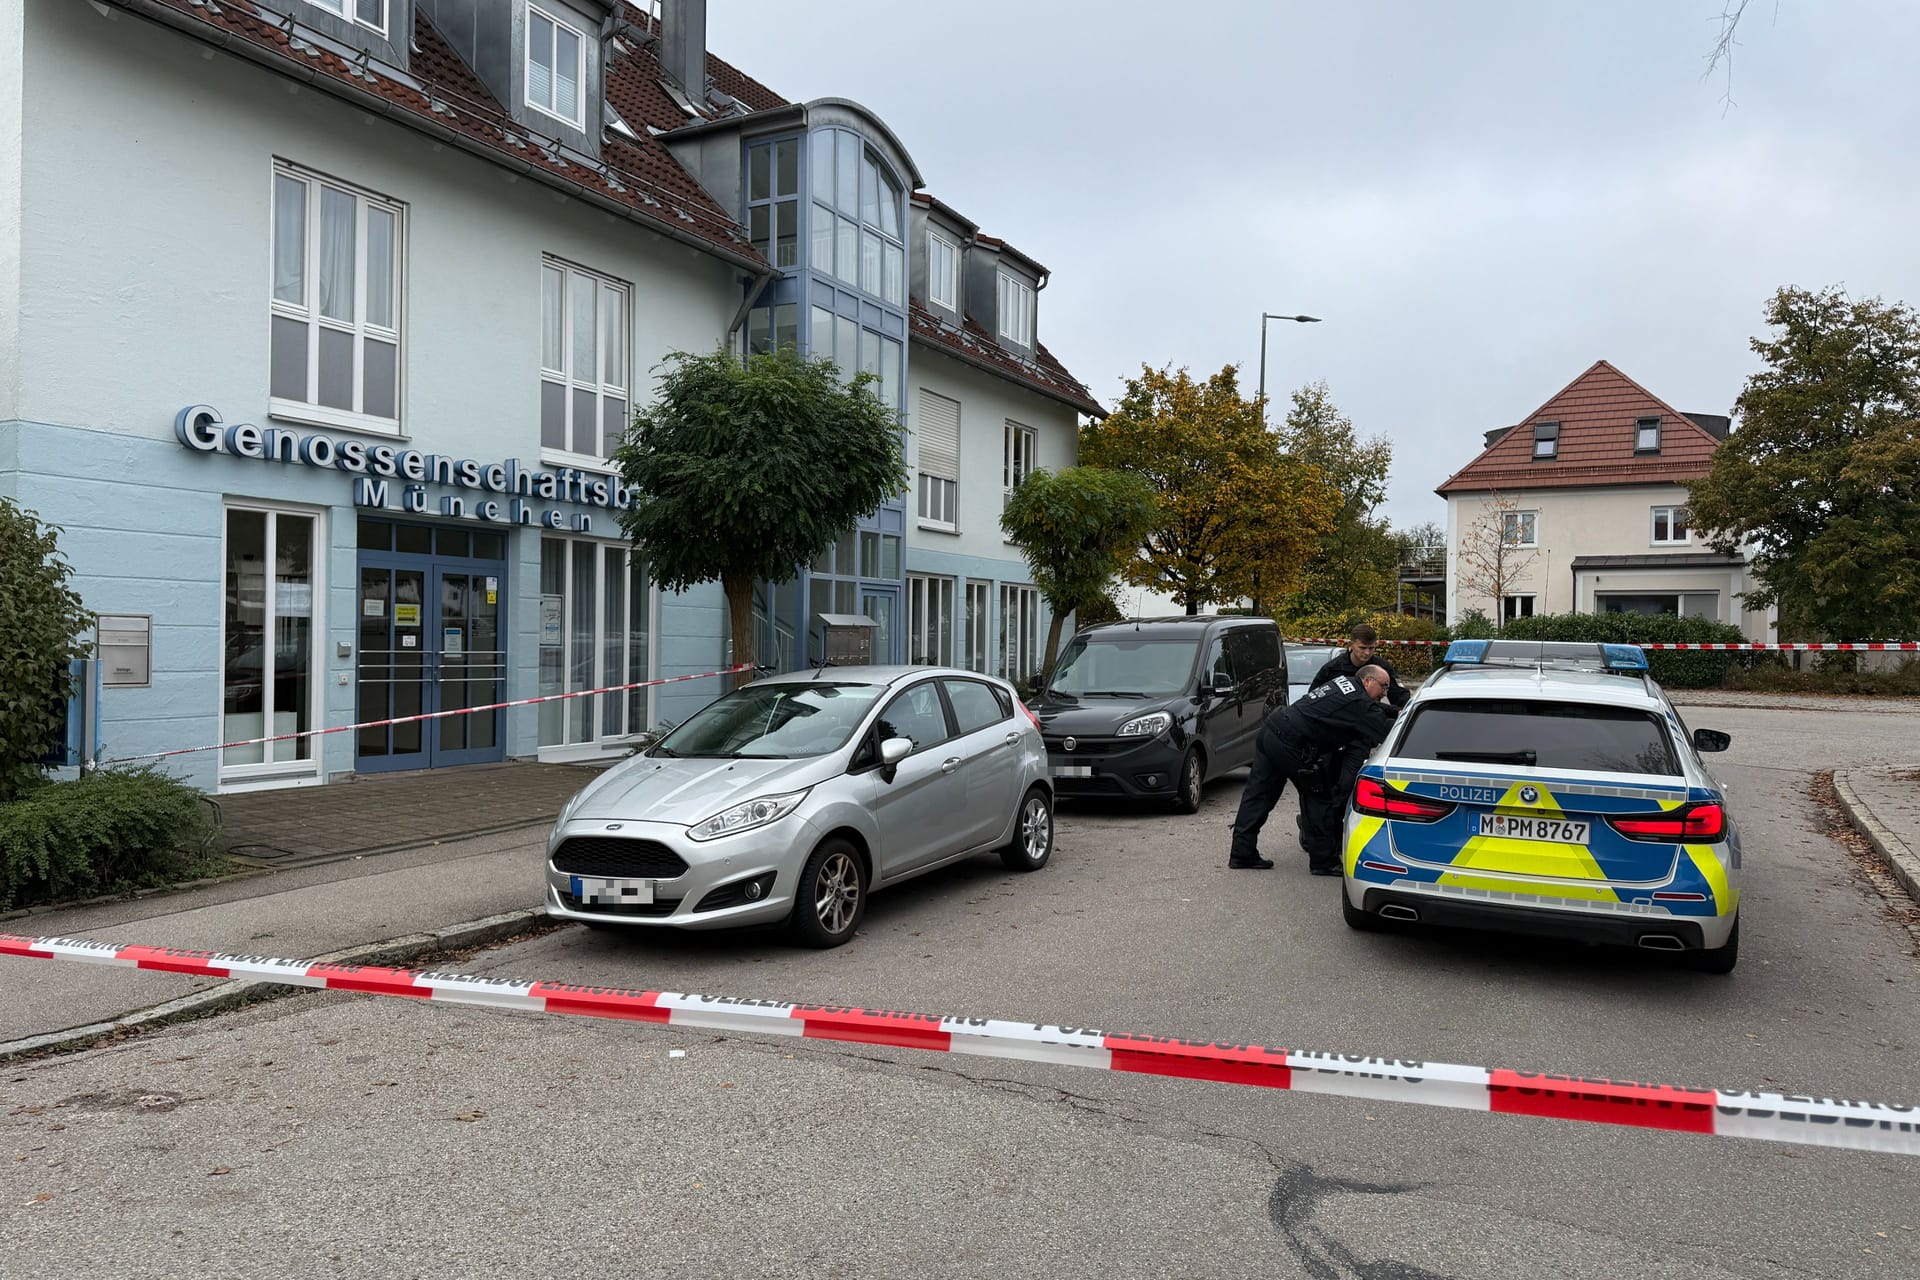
{"x":307,"y":311}
{"x":1510,"y":605}
{"x":1673,"y":515}
{"x":349,"y":11}
{"x":234,"y":776}
{"x":943,"y":288}
{"x":600,"y":743}
{"x":1016,"y":310}
{"x":602,"y":387}
{"x":578,"y":119}
{"x":931,"y":602}
{"x":1021,"y":614}
{"x":937,"y":501}
{"x":1520,"y":521}
{"x":976,"y":619}
{"x":1016,"y":462}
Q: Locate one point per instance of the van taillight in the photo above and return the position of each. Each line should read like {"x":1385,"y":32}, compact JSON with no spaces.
{"x":1695,"y":822}
{"x":1377,"y":800}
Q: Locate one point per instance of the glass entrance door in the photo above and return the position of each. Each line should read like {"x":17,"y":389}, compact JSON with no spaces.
{"x":882,"y":604}
{"x":467,"y":666}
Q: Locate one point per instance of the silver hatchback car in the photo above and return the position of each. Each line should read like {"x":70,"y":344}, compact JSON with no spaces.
{"x":792,"y":798}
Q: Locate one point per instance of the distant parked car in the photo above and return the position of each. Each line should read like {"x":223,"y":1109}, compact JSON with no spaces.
{"x":1303,"y":663}
{"x":1153,"y":707}
{"x":793,"y":798}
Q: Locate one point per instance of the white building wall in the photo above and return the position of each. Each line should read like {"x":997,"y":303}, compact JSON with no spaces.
{"x":144,"y":278}
{"x":12,"y":76}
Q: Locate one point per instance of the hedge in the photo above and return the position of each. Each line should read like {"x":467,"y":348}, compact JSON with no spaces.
{"x":104,"y":833}
{"x":1675,"y":669}
{"x":1413,"y":662}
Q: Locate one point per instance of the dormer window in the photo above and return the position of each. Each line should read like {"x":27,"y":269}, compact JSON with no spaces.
{"x":371,"y":14}
{"x":1016,"y":310}
{"x":556,"y":58}
{"x":1646,"y":436}
{"x":1546,"y":441}
{"x":943,"y":271}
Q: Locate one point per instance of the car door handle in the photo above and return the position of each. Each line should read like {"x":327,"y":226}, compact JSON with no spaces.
{"x":1010,"y":739}
{"x":950,"y":764}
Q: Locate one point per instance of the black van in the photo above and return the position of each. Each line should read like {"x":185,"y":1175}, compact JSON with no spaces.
{"x":1153,"y":707}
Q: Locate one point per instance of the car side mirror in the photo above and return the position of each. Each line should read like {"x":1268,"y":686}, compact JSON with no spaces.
{"x":1222,"y":682}
{"x":894,"y":750}
{"x":1711,"y":740}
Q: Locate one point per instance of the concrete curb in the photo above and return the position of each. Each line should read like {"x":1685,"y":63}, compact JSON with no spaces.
{"x":228,"y":995}
{"x":1902,"y":861}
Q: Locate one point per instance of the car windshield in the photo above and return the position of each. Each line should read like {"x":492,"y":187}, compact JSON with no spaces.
{"x":773,"y":721}
{"x":1304,"y":664}
{"x":1547,"y":735}
{"x":1125,"y":665}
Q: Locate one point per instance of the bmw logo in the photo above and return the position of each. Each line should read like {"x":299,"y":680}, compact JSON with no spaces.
{"x":1529,"y":795}
{"x":1069,"y":744}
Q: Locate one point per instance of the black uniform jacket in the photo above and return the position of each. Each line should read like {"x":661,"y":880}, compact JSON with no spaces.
{"x":1336,"y":714}
{"x":1341,"y":664}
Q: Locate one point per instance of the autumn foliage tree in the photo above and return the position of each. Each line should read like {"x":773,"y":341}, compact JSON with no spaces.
{"x":1822,"y":475}
{"x":1353,"y":565}
{"x":1236,"y":518}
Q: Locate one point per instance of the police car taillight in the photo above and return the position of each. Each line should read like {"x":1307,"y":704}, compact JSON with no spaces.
{"x":1377,"y":800}
{"x":1696,"y":822}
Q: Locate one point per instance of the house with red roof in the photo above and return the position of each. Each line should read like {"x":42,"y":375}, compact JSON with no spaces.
{"x":1582,"y":507}
{"x":320,"y":319}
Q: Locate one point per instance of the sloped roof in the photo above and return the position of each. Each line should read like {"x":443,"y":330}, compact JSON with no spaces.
{"x":972,"y":344}
{"x":1598,"y":413}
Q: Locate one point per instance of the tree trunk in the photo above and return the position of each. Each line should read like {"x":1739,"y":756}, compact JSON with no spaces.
{"x":739,"y":589}
{"x":1053,"y":651}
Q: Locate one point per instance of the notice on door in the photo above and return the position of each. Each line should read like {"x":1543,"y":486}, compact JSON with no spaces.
{"x":373,"y":607}
{"x":406,"y":615}
{"x":450,"y":642}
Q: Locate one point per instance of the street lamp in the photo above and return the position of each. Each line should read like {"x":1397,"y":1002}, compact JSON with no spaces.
{"x":1264,"y":317}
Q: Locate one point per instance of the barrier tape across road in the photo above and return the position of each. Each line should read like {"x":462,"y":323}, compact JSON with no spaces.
{"x":430,"y":715}
{"x":1877,"y":646}
{"x":1815,"y":1121}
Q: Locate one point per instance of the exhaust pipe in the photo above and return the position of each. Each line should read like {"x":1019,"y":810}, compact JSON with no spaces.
{"x":1661,"y":942}
{"x":1396,"y":911}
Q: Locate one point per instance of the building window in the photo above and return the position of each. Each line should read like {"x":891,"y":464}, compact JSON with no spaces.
{"x":1686,"y":604}
{"x":1019,"y":633}
{"x":1646,"y":436}
{"x":930,"y":619}
{"x":1016,"y":310}
{"x":556,"y":57}
{"x":583,"y":360}
{"x":1670,"y":526}
{"x":1520,"y":528}
{"x":1017,"y":453}
{"x":335,"y":312}
{"x":857,"y":221}
{"x":371,"y":14}
{"x":1512,"y":607}
{"x":595,"y":633}
{"x":977,"y":626}
{"x":773,"y":202}
{"x":943,"y":272}
{"x":267,"y":673}
{"x":1546,"y":441}
{"x":774,"y":328}
{"x":939,"y":440}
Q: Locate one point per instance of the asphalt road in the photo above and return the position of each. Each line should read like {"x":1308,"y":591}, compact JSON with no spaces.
{"x":344,"y":1135}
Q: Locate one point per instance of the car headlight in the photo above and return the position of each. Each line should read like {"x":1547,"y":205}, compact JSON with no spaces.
{"x":573,"y":802}
{"x":757,"y":812}
{"x":1146,"y":726}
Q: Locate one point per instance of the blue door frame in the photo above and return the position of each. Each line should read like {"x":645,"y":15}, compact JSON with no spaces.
{"x":430,"y":640}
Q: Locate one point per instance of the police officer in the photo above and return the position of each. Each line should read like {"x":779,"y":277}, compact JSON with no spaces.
{"x":1363,"y":643}
{"x":1346,"y":711}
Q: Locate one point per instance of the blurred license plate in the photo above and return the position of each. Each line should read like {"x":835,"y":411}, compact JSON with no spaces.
{"x":1072,"y":771}
{"x":610,"y":893}
{"x":1552,"y":830}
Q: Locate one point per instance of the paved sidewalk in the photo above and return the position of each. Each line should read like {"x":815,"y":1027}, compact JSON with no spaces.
{"x":1884,"y":804}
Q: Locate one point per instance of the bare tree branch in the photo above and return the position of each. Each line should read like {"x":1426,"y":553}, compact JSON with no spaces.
{"x":1721,"y":55}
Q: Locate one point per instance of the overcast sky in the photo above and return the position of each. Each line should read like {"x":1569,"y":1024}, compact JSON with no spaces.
{"x":1481,"y":197}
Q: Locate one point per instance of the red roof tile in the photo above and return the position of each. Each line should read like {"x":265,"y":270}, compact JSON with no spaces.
{"x":974,"y":345}
{"x":1598,"y":413}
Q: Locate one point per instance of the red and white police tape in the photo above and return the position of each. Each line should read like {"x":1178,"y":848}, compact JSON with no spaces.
{"x":431,"y":715}
{"x":1886,"y":646}
{"x":1827,"y":1122}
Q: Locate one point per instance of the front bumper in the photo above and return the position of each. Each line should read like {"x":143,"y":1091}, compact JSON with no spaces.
{"x":1141,"y":768}
{"x":714,"y":872}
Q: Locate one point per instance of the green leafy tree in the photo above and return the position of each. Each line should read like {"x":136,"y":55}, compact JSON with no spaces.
{"x":1236,"y":518}
{"x":1822,"y":476}
{"x":744,"y":470}
{"x":41,"y":624}
{"x":1353,"y":563}
{"x":1075,"y":528}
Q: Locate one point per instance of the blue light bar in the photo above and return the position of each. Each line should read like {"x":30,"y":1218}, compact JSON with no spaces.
{"x":1466,"y":651}
{"x":1623,"y":657}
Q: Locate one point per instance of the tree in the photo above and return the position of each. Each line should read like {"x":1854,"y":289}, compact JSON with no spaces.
{"x":1353,"y":566}
{"x":41,"y":622}
{"x":1821,"y":478}
{"x":1235,"y":517}
{"x":1074,"y":529}
{"x":1495,"y":553}
{"x":744,"y":470}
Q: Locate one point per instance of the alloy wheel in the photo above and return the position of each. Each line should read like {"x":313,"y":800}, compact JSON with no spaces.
{"x":1036,"y":829}
{"x":837,"y":893}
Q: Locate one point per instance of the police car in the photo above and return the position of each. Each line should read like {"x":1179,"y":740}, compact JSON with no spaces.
{"x":1549,"y":788}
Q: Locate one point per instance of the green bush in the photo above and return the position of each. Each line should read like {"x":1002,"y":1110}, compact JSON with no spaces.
{"x":1675,"y":669}
{"x":108,"y":832}
{"x":41,"y":619}
{"x":1412,"y":661}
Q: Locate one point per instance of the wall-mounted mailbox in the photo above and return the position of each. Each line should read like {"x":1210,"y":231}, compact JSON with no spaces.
{"x":124,"y":650}
{"x":849,"y":638}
